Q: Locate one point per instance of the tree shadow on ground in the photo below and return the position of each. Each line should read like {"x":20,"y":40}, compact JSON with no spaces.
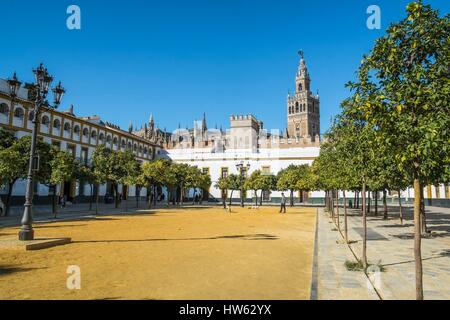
{"x":443,"y":254}
{"x":7,"y":270}
{"x":59,"y":226}
{"x":429,"y":236}
{"x":438,"y":220}
{"x":98,"y":218}
{"x":136,"y":214}
{"x":120,"y":298}
{"x":226,"y":237}
{"x":406,"y":225}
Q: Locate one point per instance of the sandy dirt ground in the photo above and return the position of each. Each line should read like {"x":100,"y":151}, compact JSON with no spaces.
{"x":198,"y":253}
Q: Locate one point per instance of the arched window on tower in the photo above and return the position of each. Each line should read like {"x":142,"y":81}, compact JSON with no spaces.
{"x":297,"y":107}
{"x":300,"y":87}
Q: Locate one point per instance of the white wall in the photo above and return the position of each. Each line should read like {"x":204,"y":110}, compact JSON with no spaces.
{"x":276,"y":159}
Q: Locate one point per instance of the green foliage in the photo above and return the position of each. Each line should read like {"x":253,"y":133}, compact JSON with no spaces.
{"x":253,"y":182}
{"x":154,"y":172}
{"x":222,"y":184}
{"x":403,"y":91}
{"x":294,"y":178}
{"x":132,"y":168}
{"x":163,"y":172}
{"x":204,"y":181}
{"x":14,"y":160}
{"x":12,"y":165}
{"x":86,"y":173}
{"x":359,"y":266}
{"x":259,"y":181}
{"x":233,"y":182}
{"x":7,"y":139}
{"x":397,"y":123}
{"x":103,"y":167}
{"x":64,"y":167}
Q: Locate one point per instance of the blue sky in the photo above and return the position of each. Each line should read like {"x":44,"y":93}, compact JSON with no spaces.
{"x":178,"y":59}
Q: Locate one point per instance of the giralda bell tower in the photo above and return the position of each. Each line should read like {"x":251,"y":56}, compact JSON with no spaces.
{"x":303,"y":114}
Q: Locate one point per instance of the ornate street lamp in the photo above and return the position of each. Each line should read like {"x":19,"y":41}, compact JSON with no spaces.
{"x":242,"y":169}
{"x":58,"y":93}
{"x":42,"y":84}
{"x":14,"y":86}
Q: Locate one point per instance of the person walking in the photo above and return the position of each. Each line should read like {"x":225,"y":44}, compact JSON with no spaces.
{"x":283,"y":203}
{"x":63,"y":200}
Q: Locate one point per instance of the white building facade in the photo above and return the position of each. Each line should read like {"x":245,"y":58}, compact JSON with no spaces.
{"x":79,"y":136}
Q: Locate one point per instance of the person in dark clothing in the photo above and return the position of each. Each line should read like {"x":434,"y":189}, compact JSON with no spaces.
{"x":283,"y":203}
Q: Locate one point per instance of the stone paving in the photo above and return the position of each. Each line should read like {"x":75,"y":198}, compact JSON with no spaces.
{"x":334,"y":281}
{"x":392,"y":244}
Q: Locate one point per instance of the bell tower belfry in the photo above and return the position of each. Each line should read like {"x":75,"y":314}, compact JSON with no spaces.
{"x":303,"y":110}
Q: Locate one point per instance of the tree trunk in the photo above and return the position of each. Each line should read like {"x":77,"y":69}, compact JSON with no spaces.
{"x":8,"y":199}
{"x":138,"y":195}
{"x":369,"y":202}
{"x":261,"y":199}
{"x":356,"y":202}
{"x":193,"y":196}
{"x":333,"y":217}
{"x":385,"y":207}
{"x":329,"y":202}
{"x":357,"y":199}
{"x":125,"y":197}
{"x":54,"y":205}
{"x":231,"y":200}
{"x":375,"y":198}
{"x":345,"y":217}
{"x":96,"y":199}
{"x":168,"y":197}
{"x":224,"y":198}
{"x":292,"y":198}
{"x":256,"y":198}
{"x":364,"y":250}
{"x":54,"y":201}
{"x":422,"y":212}
{"x":400,"y":206}
{"x":418,"y":238}
{"x":149,"y":198}
{"x":337,"y":210}
{"x":91,"y":196}
{"x":181,"y":195}
{"x":116,"y":196}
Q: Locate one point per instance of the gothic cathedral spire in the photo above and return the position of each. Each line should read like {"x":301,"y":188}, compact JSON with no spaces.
{"x":204,"y":126}
{"x":303,"y":108}
{"x":302,"y":80}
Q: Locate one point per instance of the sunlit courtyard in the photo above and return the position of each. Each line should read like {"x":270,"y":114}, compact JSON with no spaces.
{"x":195,"y":253}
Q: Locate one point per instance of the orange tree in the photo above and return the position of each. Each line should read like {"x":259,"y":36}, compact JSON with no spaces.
{"x":406,"y":77}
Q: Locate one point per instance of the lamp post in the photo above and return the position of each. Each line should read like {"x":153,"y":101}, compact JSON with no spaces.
{"x":41,"y":87}
{"x":242,"y":169}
